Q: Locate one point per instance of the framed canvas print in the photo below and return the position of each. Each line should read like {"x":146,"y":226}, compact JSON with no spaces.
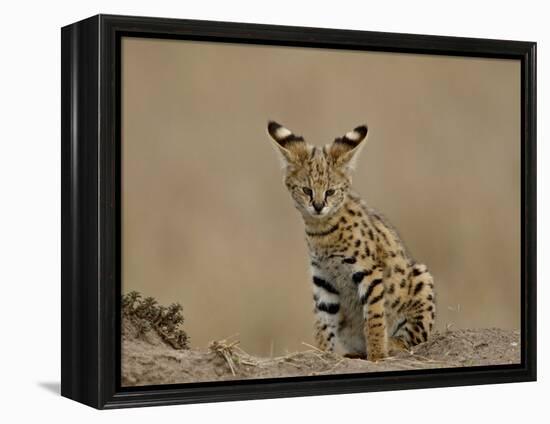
{"x":253,"y":211}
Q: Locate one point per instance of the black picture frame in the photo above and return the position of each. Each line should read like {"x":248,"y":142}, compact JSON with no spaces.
{"x":91,"y":218}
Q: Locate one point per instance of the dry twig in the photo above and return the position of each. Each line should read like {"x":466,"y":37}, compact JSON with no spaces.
{"x":225,"y":350}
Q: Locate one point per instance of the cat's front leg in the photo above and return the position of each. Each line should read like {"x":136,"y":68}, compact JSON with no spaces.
{"x":327,"y":312}
{"x":370,"y":289}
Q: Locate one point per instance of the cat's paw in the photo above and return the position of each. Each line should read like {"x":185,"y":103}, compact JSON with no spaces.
{"x":355,"y":355}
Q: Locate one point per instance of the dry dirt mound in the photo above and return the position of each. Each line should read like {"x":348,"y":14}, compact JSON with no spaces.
{"x":148,"y":359}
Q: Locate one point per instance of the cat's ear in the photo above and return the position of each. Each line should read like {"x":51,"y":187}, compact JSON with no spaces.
{"x":292,"y":148}
{"x":344,"y":151}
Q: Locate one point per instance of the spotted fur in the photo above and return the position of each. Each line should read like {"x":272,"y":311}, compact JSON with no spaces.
{"x":369,"y":294}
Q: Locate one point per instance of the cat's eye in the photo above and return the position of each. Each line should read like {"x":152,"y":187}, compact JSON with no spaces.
{"x":307,"y":191}
{"x":329,"y":192}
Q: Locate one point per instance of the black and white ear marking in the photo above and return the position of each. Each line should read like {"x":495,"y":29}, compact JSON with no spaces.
{"x":345,"y":150}
{"x":282,"y":135}
{"x":292,"y":148}
{"x":353,"y":138}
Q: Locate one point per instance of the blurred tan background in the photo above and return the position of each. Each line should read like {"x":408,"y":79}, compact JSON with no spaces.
{"x":208,"y":223}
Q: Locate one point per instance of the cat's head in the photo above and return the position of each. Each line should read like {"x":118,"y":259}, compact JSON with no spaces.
{"x":318,"y":179}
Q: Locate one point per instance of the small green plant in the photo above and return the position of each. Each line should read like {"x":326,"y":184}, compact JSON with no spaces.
{"x":148,"y":315}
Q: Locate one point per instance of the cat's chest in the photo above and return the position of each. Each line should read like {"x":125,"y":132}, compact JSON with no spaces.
{"x":339,"y":276}
{"x":334,"y":268}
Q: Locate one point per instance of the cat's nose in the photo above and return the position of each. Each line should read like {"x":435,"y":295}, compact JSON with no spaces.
{"x":318,"y":206}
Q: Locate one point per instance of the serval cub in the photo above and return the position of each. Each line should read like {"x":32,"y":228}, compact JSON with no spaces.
{"x":370,"y":295}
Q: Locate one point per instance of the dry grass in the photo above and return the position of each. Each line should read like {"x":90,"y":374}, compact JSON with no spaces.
{"x":148,"y":315}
